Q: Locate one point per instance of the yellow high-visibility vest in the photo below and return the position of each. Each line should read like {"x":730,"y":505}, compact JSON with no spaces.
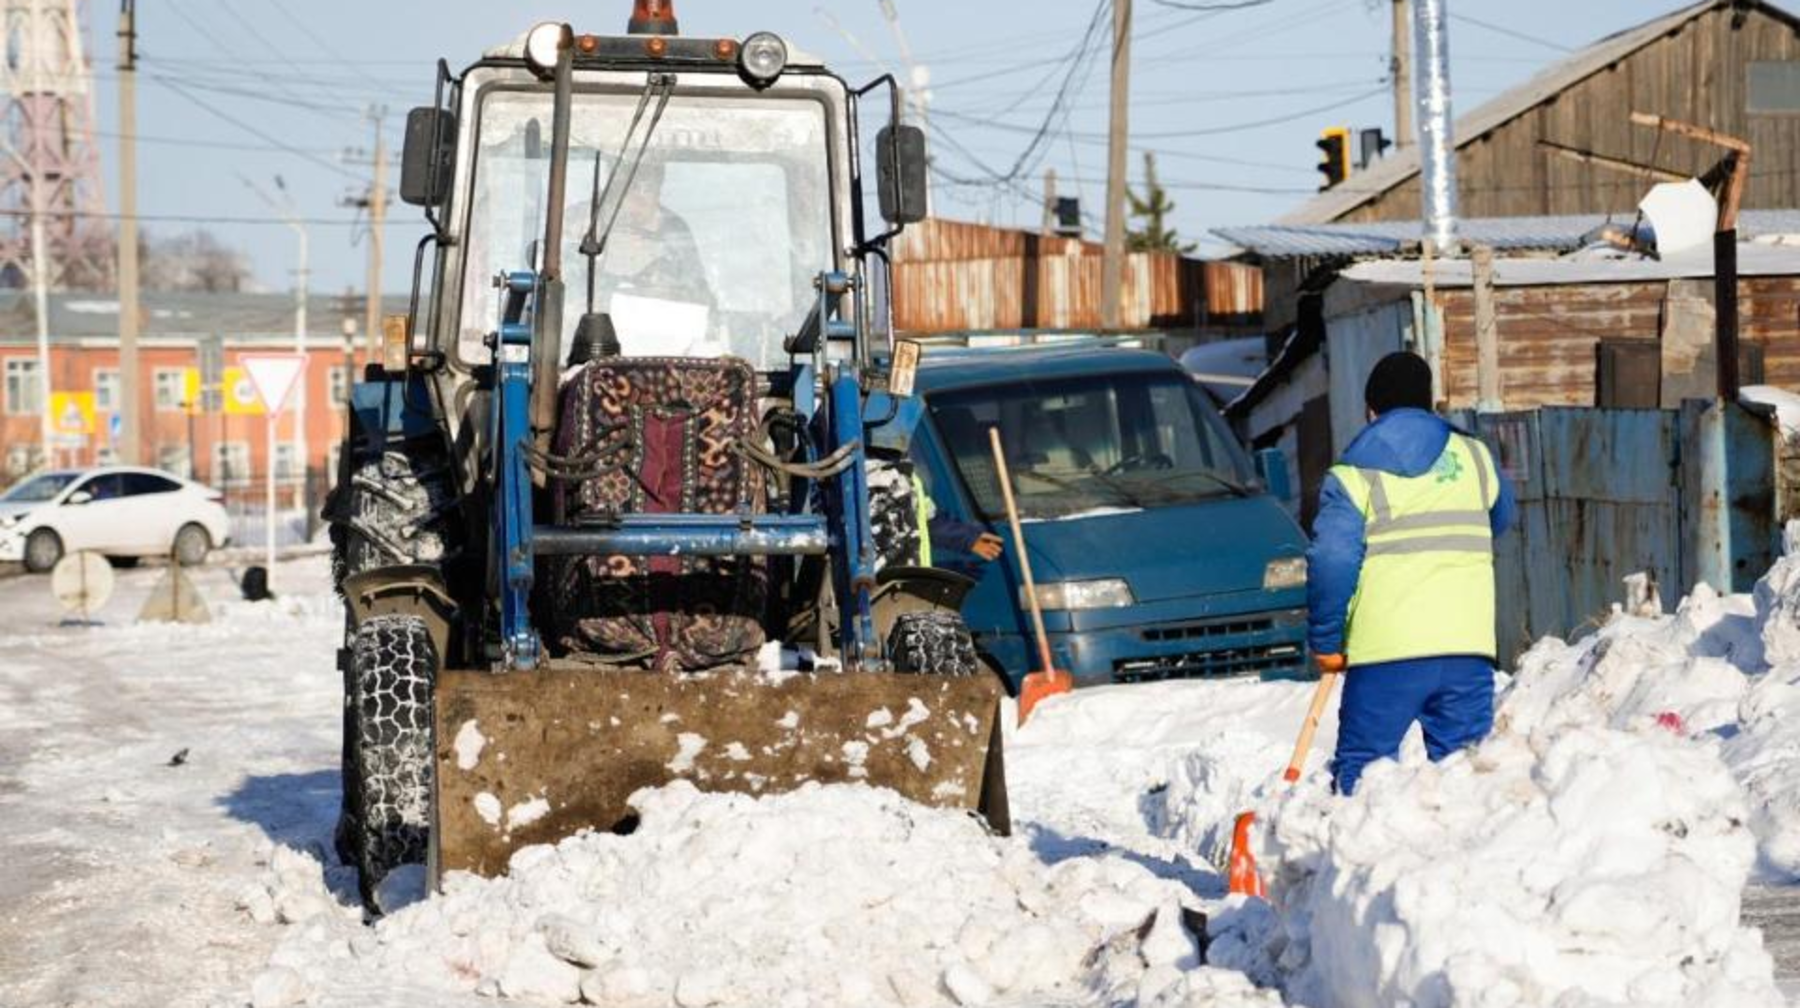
{"x":1427,"y":585}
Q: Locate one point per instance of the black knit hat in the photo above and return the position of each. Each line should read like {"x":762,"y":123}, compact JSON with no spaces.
{"x":1400,"y":379}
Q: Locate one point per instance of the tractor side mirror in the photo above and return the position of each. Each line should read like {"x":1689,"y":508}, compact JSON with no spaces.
{"x":1272,"y":469}
{"x":428,"y":162}
{"x":901,"y":173}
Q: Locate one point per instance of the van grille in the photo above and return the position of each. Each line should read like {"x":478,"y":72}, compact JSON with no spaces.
{"x":1200,"y":631}
{"x":1251,"y":660}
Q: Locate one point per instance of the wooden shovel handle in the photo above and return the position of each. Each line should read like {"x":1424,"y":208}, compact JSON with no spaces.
{"x":1303,"y":744}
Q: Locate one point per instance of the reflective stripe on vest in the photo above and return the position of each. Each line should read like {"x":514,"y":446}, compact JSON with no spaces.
{"x":1427,"y":584}
{"x":922,"y":513}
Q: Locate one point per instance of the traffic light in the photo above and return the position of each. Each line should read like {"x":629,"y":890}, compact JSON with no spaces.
{"x":1374,"y":145}
{"x":1335,"y":166}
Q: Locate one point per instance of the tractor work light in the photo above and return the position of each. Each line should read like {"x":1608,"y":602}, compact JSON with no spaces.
{"x":762,"y":58}
{"x":544,"y":45}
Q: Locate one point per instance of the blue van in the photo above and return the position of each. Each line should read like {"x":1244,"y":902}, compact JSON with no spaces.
{"x":1158,"y":551}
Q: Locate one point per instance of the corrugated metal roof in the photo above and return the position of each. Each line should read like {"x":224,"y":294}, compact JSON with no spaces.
{"x":1554,"y":234}
{"x":1489,"y":116}
{"x":1753,"y":260}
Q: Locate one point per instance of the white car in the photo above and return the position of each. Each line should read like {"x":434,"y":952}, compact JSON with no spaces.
{"x":120,"y":511}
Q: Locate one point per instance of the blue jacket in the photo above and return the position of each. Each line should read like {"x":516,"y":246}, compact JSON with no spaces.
{"x":1405,"y":442}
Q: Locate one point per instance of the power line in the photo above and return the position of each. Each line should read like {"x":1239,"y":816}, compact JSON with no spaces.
{"x":1510,"y":32}
{"x":1211,"y":7}
{"x":257,"y":131}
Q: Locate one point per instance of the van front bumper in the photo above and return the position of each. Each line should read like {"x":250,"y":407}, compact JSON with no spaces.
{"x":1249,"y":633}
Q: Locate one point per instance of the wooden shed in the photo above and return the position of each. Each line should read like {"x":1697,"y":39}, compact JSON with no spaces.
{"x":958,"y":277}
{"x":1730,"y":65}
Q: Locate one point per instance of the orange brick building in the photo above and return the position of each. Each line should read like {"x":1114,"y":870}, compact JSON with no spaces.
{"x":199,"y":415}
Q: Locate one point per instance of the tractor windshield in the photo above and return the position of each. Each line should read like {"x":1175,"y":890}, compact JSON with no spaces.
{"x":717,"y":238}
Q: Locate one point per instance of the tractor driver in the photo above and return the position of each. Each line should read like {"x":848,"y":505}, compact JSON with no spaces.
{"x":649,"y":276}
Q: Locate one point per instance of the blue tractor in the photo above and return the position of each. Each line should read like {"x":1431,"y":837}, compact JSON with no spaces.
{"x":604,"y":517}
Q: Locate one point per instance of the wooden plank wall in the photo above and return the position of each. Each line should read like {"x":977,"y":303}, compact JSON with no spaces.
{"x":952,"y":276}
{"x":1549,"y":335}
{"x":1698,"y":75}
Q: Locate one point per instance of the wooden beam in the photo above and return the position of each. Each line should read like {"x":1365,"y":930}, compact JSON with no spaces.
{"x":1490,"y":394}
{"x":1739,"y":180}
{"x":1612,"y":163}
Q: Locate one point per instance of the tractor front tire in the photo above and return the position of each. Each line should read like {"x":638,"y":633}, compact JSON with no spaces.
{"x":399,"y":509}
{"x":933,"y":643}
{"x":387,"y":781}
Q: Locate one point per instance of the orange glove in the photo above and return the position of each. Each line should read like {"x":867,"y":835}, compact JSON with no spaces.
{"x":1329,"y":663}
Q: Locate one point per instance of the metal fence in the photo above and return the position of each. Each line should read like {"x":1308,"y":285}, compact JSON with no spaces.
{"x":1687,"y":496}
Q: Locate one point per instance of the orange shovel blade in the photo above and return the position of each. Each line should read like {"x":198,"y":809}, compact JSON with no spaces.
{"x":1241,"y":877}
{"x":1039,"y":685}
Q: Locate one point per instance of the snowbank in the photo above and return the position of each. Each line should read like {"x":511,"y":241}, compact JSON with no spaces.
{"x":1579,"y":864}
{"x":1593,"y":851}
{"x":828,"y":895}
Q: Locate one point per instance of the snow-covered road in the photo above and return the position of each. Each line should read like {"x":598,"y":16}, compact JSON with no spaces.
{"x":122,"y":864}
{"x":167,"y":796}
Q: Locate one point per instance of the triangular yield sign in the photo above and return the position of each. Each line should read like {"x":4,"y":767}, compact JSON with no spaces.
{"x":274,"y":376}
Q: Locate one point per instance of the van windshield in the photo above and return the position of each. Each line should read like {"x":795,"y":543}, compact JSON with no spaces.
{"x":1091,"y":443}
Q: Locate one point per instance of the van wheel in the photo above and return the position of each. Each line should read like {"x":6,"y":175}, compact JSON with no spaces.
{"x":43,"y":548}
{"x":192,"y":543}
{"x":933,"y":643}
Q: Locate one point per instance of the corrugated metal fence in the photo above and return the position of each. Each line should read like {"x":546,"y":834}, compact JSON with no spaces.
{"x":1684,"y":495}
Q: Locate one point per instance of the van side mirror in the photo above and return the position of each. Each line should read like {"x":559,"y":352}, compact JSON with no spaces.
{"x":1272,"y":469}
{"x":901,"y":173}
{"x":429,"y":160}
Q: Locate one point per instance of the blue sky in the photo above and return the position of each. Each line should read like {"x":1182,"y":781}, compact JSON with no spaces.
{"x":1231,"y":101}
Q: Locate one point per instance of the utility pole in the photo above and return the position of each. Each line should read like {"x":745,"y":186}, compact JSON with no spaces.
{"x":1400,"y":70}
{"x":1049,"y":228}
{"x":1112,"y":276}
{"x":291,"y":215}
{"x":130,"y":446}
{"x":377,"y":219}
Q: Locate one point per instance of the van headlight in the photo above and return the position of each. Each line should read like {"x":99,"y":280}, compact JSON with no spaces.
{"x":1102,"y":593}
{"x":1288,"y":572}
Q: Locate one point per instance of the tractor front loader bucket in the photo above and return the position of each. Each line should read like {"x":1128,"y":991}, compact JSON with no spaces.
{"x":533,"y":757}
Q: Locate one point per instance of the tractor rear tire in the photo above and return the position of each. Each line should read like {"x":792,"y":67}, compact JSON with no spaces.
{"x":386,"y":818}
{"x":933,"y":643}
{"x":399,"y":509}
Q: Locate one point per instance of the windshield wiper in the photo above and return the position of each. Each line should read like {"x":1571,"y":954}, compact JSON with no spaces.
{"x":593,"y":244}
{"x":1235,"y":488}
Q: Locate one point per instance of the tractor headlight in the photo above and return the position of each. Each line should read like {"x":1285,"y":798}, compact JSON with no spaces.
{"x":544,"y":45}
{"x":762,"y":58}
{"x":1102,"y":593}
{"x":1288,"y":572}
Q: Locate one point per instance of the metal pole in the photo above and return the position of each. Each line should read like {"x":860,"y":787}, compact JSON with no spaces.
{"x":40,"y":282}
{"x":1437,"y":146}
{"x":1112,"y":274}
{"x":269,"y":486}
{"x":130,"y":446}
{"x":1400,"y":68}
{"x":1725,"y":298}
{"x":300,"y":285}
{"x":377,"y":218}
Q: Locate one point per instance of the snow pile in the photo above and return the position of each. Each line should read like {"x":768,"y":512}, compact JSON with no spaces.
{"x":1592,"y":851}
{"x":1579,"y":864}
{"x":827,"y":895}
{"x":1160,"y":767}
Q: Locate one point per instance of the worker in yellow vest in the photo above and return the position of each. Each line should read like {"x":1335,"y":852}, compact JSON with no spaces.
{"x":1400,"y":576}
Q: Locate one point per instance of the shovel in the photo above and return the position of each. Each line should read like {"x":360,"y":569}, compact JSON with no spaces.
{"x":1240,"y":875}
{"x":1048,"y":681}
